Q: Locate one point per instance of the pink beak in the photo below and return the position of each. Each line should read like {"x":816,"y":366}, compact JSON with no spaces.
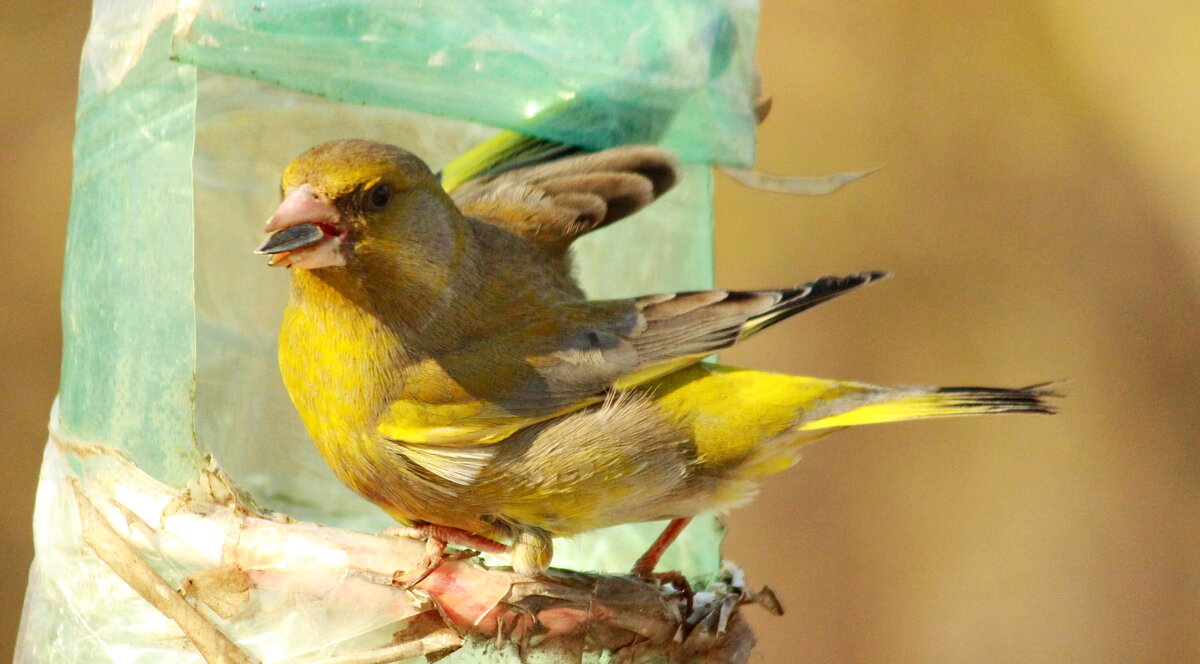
{"x":304,"y":232}
{"x":300,"y":206}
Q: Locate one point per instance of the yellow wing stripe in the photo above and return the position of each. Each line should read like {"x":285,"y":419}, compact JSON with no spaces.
{"x":472,"y":423}
{"x":505,"y":147}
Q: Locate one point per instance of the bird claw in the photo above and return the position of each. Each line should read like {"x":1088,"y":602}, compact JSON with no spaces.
{"x":672,"y":578}
{"x":428,"y":566}
{"x":448,"y":535}
{"x":436,"y":538}
{"x":644,"y":567}
{"x":520,"y":630}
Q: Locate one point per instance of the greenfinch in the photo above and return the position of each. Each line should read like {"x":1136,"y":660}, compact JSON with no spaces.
{"x":451,"y":371}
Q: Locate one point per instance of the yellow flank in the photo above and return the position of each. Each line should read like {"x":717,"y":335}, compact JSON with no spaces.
{"x":466,"y":423}
{"x":416,"y":422}
{"x":730,"y":412}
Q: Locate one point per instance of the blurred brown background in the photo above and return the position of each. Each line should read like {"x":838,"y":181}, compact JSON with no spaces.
{"x":1038,"y":203}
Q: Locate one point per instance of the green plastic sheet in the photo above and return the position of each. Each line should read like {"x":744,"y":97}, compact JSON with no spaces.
{"x":187,"y":115}
{"x":679,"y":72}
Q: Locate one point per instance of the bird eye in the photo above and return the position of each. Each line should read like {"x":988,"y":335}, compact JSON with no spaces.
{"x":380,"y":194}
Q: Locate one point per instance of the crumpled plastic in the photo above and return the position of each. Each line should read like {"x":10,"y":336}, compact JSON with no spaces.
{"x":674,"y":72}
{"x":189,"y":111}
{"x":140,"y":571}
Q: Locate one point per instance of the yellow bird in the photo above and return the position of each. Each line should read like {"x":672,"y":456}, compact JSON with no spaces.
{"x":451,"y":371}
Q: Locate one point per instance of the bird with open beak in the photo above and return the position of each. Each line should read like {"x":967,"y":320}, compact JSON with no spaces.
{"x":450,"y":370}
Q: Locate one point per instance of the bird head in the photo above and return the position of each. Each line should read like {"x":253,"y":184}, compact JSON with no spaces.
{"x":346,"y":201}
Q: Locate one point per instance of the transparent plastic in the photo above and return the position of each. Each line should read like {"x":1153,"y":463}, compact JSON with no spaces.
{"x":187,"y":115}
{"x":676,"y":72}
{"x":129,"y":330}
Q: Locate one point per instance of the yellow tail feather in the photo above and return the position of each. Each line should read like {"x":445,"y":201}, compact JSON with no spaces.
{"x":940,"y":402}
{"x":757,"y":421}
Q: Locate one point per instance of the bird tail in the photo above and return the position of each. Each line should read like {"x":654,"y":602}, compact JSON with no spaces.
{"x":853,"y":404}
{"x":757,"y":422}
{"x":927,"y":403}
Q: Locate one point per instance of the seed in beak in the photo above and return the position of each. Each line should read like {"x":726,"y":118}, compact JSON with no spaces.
{"x":292,"y":238}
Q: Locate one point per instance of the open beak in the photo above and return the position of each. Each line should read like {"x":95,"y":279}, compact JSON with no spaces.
{"x":304,"y":232}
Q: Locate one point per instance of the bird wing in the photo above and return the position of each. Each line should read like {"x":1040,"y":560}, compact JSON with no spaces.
{"x":505,"y":151}
{"x":554,"y":203}
{"x":475,"y":395}
{"x":674,"y":330}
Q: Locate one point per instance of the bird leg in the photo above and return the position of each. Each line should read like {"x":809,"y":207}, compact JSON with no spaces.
{"x":644,"y":567}
{"x":436,"y":538}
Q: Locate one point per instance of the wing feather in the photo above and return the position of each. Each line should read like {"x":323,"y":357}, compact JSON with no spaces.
{"x":554,"y":203}
{"x":625,"y":344}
